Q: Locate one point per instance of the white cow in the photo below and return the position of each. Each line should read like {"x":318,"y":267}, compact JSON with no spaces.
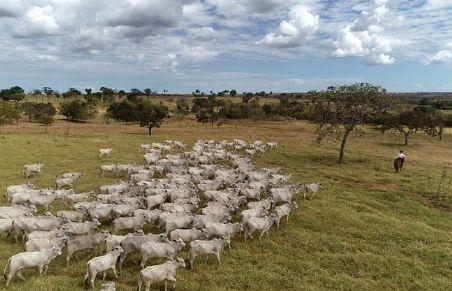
{"x":32,"y":170}
{"x":40,"y":259}
{"x":105,"y":153}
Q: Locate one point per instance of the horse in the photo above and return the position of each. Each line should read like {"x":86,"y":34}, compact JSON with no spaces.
{"x":398,"y":164}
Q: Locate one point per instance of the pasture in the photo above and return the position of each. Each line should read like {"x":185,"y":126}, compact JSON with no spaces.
{"x":368,"y":228}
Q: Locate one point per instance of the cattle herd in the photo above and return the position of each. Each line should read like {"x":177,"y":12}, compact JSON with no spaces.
{"x":185,"y":199}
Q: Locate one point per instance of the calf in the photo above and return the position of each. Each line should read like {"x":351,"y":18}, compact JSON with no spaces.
{"x":102,"y":264}
{"x":205,"y":248}
{"x":159,"y":273}
{"x":40,"y":259}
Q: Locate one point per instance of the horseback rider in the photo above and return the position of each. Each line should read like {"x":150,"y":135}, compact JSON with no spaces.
{"x":399,"y":161}
{"x":401,"y":155}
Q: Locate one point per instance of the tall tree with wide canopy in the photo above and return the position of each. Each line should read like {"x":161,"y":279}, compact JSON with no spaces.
{"x":346,"y":109}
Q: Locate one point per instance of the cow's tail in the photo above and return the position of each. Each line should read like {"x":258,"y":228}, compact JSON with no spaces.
{"x":140,"y":282}
{"x":6,"y":268}
{"x":87,"y":274}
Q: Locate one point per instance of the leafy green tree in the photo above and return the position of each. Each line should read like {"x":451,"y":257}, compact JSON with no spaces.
{"x":182,"y":108}
{"x":150,"y":114}
{"x":345,"y":109}
{"x":207,"y":109}
{"x":143,"y":111}
{"x":233,"y":92}
{"x":15,"y":93}
{"x":44,"y":114}
{"x":9,"y":113}
{"x":77,"y":110}
{"x":124,"y":110}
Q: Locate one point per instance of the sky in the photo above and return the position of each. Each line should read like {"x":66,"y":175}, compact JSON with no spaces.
{"x":247,"y":45}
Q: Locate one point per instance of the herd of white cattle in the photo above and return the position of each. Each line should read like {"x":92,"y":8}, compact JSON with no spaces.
{"x":188,"y":196}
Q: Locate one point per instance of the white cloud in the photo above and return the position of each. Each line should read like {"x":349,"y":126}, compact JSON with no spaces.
{"x":293,"y":32}
{"x":442,"y":56}
{"x":202,"y":32}
{"x":439,"y":3}
{"x":166,"y":63}
{"x":38,"y":21}
{"x":366,"y":37}
{"x":197,"y":54}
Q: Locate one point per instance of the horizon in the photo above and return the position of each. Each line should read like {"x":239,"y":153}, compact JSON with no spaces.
{"x":246,"y":45}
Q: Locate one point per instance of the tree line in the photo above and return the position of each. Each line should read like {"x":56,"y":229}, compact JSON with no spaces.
{"x":341,"y":110}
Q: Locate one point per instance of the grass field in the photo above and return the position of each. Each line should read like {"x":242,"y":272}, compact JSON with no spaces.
{"x":368,"y":228}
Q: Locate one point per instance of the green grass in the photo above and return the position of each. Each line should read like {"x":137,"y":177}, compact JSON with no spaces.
{"x":368,"y":228}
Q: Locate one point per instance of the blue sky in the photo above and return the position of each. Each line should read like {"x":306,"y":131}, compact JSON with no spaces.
{"x":247,"y":45}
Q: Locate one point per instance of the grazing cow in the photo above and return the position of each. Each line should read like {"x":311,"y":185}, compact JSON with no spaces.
{"x":105,"y":153}
{"x":102,"y":264}
{"x":160,"y":250}
{"x":205,"y":248}
{"x":32,"y":170}
{"x":160,"y":273}
{"x":40,"y":259}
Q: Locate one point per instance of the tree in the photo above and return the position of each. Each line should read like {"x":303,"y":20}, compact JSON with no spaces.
{"x":207,"y":109}
{"x":182,"y":107}
{"x":44,"y":114}
{"x":409,"y":121}
{"x":233,"y":92}
{"x":344,"y":109}
{"x":150,"y":114}
{"x":108,"y":94}
{"x":147,"y":92}
{"x":8,"y":113}
{"x":15,"y":93}
{"x":77,"y":110}
{"x":147,"y":113}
